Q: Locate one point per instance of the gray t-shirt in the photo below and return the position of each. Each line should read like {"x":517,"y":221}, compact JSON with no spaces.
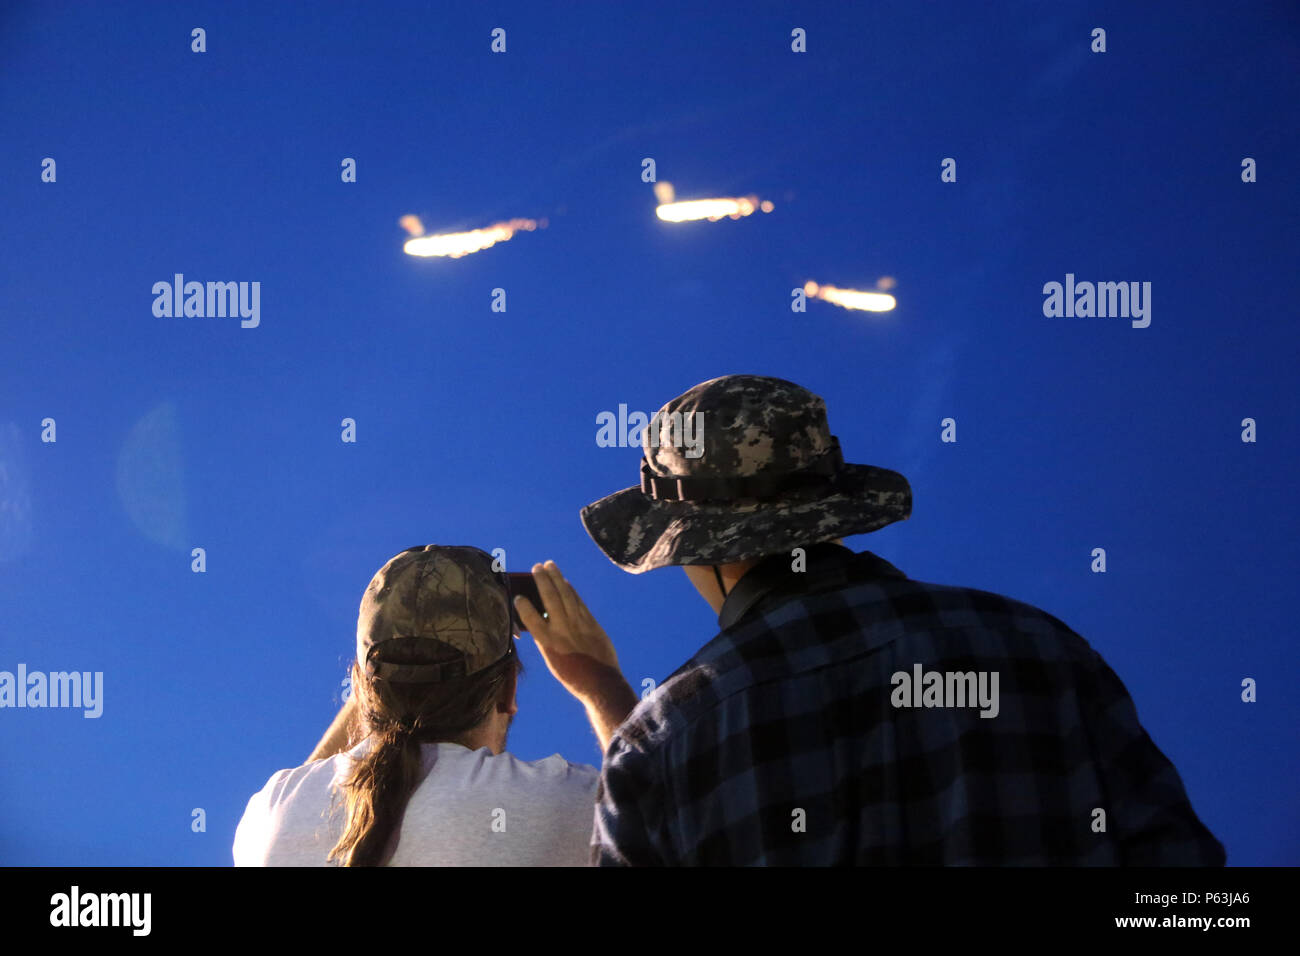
{"x":472,"y":808}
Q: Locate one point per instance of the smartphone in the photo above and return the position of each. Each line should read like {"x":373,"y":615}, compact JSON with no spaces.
{"x":522,"y":583}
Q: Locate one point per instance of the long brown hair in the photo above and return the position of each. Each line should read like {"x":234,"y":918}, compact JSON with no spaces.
{"x":400,"y":717}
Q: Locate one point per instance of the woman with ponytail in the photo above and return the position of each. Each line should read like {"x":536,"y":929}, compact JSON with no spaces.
{"x":398,"y":718}
{"x":427,"y":780}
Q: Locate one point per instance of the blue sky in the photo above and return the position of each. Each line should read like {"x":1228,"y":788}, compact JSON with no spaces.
{"x":478,"y":427}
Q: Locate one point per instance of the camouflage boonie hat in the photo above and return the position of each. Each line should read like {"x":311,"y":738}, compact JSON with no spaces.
{"x":448,"y":602}
{"x":767,"y":476}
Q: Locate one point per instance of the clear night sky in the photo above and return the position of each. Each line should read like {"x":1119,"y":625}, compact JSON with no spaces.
{"x":479,"y":427}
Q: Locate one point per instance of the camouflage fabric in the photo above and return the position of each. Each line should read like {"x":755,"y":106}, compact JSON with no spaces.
{"x":448,"y":601}
{"x":751,"y":426}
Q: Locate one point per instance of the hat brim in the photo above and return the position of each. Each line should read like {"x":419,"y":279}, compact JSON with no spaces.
{"x":641,"y":534}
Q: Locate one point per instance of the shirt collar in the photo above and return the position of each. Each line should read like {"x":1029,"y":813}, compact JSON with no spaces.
{"x":774,"y":575}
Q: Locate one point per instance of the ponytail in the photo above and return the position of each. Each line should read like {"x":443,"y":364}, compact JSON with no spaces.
{"x":398,"y":719}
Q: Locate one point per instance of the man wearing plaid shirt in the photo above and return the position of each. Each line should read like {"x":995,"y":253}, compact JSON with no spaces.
{"x":846,"y":714}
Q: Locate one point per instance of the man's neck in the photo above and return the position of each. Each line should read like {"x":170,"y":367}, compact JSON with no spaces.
{"x":731,"y":573}
{"x":776,"y":572}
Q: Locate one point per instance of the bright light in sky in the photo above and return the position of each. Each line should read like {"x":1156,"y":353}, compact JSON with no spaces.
{"x":457,"y":244}
{"x":850,"y":298}
{"x":710,"y":209}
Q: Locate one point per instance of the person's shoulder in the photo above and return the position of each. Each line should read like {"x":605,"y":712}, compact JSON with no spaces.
{"x":670,"y":705}
{"x":558,"y":766}
{"x":324,"y":772}
{"x":878,"y":586}
{"x":554,"y":769}
{"x":273,"y":790}
{"x":929,"y":606}
{"x":553,"y":784}
{"x":895,"y":606}
{"x":265,"y":811}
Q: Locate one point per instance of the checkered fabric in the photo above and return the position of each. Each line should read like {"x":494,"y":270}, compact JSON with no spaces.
{"x":780,"y":743}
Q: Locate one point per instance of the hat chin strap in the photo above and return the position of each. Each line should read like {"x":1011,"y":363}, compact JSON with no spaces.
{"x":721,"y":587}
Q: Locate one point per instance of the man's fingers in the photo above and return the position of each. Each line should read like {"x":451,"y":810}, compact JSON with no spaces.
{"x":550,"y":585}
{"x":546,"y":589}
{"x":532,"y":619}
{"x":574,"y":606}
{"x":579,"y":605}
{"x":565,"y":590}
{"x":555,"y":634}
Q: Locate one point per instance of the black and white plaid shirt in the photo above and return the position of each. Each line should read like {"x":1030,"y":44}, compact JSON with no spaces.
{"x":791,"y":738}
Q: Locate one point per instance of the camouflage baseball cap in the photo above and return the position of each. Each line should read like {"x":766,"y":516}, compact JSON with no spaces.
{"x":445,"y":604}
{"x":735,"y":468}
